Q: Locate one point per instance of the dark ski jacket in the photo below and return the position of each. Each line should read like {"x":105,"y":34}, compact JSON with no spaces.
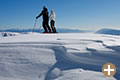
{"x":45,"y":14}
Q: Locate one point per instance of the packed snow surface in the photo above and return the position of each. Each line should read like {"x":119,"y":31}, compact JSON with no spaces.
{"x":72,"y":56}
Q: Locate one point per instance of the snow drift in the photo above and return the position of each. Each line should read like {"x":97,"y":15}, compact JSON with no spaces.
{"x":72,"y":56}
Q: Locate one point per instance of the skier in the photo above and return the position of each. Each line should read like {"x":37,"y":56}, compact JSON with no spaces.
{"x":52,"y":21}
{"x":45,"y":24}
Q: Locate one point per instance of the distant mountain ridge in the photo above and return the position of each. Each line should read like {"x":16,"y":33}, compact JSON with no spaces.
{"x":108,"y":31}
{"x":36,"y":30}
{"x":6,"y":34}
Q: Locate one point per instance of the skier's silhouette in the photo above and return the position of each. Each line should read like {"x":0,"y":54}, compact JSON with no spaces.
{"x":45,"y":24}
{"x":52,"y":21}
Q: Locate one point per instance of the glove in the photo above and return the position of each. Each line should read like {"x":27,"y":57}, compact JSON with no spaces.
{"x":37,"y":17}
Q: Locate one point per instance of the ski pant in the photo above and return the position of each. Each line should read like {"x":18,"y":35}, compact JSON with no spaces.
{"x":46,"y":26}
{"x":52,"y":23}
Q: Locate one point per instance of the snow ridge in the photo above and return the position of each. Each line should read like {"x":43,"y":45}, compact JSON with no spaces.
{"x":69,"y":60}
{"x":58,"y":56}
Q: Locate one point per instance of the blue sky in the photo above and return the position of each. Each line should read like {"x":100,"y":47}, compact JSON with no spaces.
{"x":72,"y":14}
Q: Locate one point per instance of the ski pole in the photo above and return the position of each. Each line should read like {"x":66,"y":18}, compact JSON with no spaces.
{"x":39,"y":28}
{"x":34,"y":25}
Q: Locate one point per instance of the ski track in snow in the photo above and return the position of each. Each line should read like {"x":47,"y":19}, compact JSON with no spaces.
{"x":70,"y":53}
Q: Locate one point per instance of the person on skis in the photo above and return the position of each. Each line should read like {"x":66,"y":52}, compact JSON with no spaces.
{"x":45,"y":23}
{"x":52,"y":21}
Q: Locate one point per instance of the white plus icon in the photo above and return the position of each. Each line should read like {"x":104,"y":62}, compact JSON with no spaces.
{"x":108,"y":70}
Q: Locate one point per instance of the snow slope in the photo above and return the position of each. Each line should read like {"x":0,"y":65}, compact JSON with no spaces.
{"x":75,"y":56}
